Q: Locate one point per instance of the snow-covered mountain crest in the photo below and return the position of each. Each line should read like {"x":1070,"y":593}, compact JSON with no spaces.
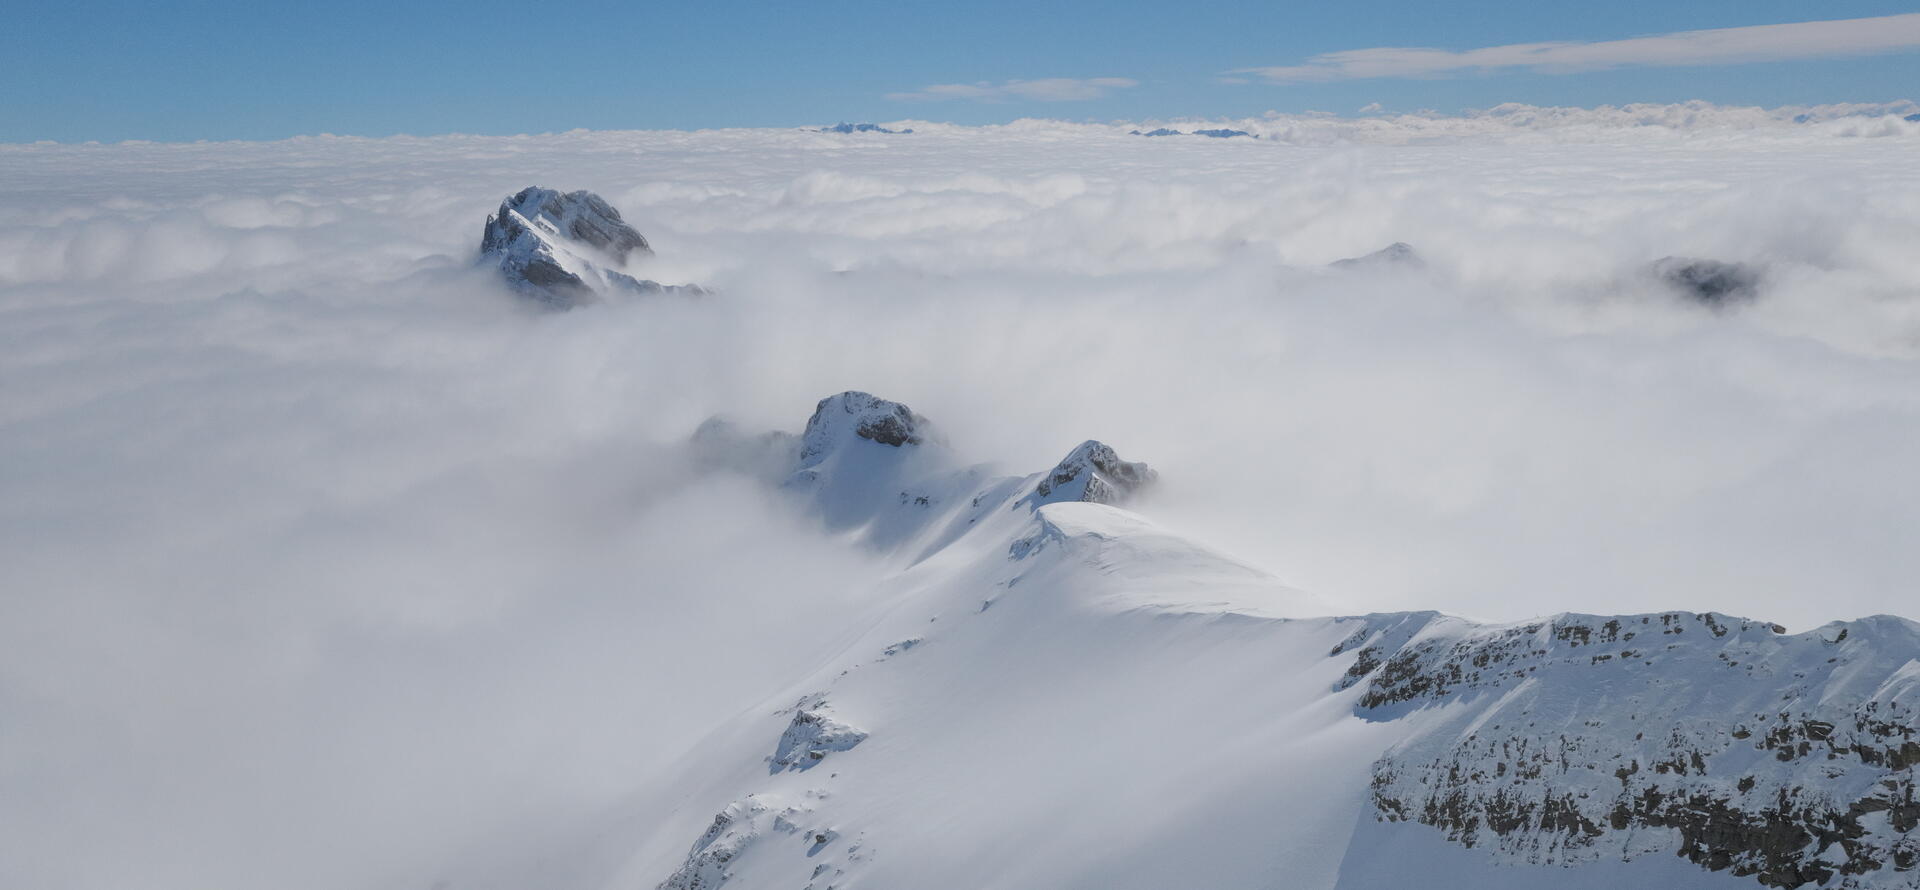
{"x":564,"y":249}
{"x":1104,"y":703}
{"x":881,"y":471}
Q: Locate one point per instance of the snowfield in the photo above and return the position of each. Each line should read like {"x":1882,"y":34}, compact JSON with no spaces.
{"x":1506,"y":556}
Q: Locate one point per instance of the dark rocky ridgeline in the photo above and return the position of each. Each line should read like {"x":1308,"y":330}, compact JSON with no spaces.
{"x":1398,"y":255}
{"x":1708,"y":282}
{"x":862,"y":128}
{"x":1216,"y":133}
{"x":566,"y":249}
{"x":1787,"y":758}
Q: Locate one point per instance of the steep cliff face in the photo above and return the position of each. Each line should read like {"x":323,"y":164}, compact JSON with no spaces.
{"x":1787,"y":758}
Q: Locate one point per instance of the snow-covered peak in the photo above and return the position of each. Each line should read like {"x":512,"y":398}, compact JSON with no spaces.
{"x":878,"y":469}
{"x":581,"y":217}
{"x":1093,"y":472}
{"x":565,"y":249}
{"x":843,"y":418}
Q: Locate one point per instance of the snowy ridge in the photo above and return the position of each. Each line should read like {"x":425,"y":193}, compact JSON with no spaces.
{"x":881,"y":472}
{"x":1677,"y":749}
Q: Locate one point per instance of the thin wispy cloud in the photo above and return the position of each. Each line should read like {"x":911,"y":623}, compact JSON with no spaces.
{"x":1046,"y":89}
{"x":1719,"y":46}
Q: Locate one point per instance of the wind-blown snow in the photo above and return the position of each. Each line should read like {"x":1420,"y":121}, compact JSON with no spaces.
{"x":320,"y":551}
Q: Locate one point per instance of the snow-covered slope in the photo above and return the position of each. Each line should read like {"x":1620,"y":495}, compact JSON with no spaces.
{"x":566,"y":249}
{"x":1057,"y":693}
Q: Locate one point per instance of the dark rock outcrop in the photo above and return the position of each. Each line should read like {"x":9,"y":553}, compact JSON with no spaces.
{"x":860,"y":128}
{"x":1708,"y":282}
{"x":1216,"y":133}
{"x":1398,"y":255}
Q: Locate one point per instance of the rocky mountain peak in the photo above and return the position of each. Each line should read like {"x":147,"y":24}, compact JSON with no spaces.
{"x":581,"y":216}
{"x":860,"y":415}
{"x":566,"y":249}
{"x":1093,"y":472}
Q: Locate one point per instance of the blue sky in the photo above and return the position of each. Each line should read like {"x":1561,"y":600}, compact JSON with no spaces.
{"x":221,"y":70}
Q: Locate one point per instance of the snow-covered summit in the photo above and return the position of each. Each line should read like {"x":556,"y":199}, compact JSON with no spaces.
{"x":565,"y":249}
{"x":1094,"y":473}
{"x":877,"y":468}
{"x":858,"y":415}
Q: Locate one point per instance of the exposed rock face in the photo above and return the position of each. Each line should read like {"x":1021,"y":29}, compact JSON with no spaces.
{"x":863,"y":416}
{"x":811,"y":737}
{"x":732,"y":832}
{"x":1790,"y":759}
{"x":566,"y":249}
{"x":744,"y":825}
{"x":1399,"y":254}
{"x":1094,"y":473}
{"x":1709,"y":282}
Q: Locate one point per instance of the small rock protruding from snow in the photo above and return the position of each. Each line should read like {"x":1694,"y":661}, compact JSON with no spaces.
{"x":731,"y":833}
{"x":853,"y":414}
{"x":1398,"y":255}
{"x":565,"y":249}
{"x":810,"y":738}
{"x":1708,"y":282}
{"x":1093,"y":473}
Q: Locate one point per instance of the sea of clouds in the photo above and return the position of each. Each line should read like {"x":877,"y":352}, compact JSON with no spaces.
{"x":325,"y":562}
